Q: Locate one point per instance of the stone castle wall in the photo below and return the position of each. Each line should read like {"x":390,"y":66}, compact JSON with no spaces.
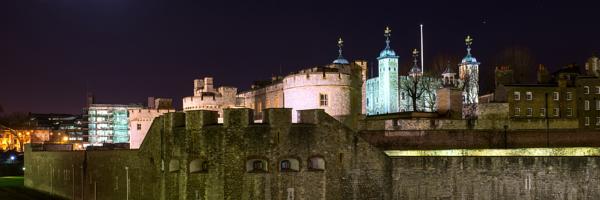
{"x":433,"y":124}
{"x":496,"y":178}
{"x":165,"y":166}
{"x":270,"y":96}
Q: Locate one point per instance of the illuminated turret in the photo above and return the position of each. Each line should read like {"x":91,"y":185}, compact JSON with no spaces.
{"x":382,"y":91}
{"x":469,"y":79}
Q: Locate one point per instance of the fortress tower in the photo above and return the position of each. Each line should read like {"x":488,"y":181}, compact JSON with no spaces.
{"x":382,"y":91}
{"x":469,"y":78}
{"x":206,"y":97}
{"x":337,"y":88}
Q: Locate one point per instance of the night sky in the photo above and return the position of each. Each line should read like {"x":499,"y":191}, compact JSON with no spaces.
{"x":54,"y":51}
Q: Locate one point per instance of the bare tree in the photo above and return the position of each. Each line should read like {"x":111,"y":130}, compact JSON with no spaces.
{"x":410,"y":84}
{"x":421,"y":90}
{"x":469,"y":103}
{"x":430,"y":85}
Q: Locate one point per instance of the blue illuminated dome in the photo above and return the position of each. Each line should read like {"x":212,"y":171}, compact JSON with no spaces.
{"x":387,"y":52}
{"x":469,"y":59}
{"x":341,"y":60}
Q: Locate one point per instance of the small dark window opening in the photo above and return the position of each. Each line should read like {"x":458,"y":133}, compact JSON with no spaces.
{"x":257,"y":165}
{"x":204,"y":166}
{"x":285,"y":165}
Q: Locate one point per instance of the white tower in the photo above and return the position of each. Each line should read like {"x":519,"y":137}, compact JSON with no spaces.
{"x":469,"y":78}
{"x":388,"y":76}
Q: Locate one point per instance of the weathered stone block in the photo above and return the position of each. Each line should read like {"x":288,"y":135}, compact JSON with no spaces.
{"x":196,"y":119}
{"x":237,"y":117}
{"x":277,"y":116}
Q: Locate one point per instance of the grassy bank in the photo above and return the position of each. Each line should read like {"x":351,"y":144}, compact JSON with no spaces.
{"x":11,"y":187}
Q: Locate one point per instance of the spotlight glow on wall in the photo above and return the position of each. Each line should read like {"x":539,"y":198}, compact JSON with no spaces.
{"x":569,"y":151}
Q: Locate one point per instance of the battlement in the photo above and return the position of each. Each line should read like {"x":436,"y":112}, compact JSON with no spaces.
{"x":227,"y":90}
{"x":260,"y":90}
{"x":317,"y":79}
{"x":243,"y":117}
{"x":149,"y":111}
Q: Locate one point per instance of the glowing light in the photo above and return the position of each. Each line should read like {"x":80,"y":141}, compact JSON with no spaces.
{"x":23,"y":168}
{"x":12,"y":157}
{"x":570,"y":151}
{"x":65,"y":138}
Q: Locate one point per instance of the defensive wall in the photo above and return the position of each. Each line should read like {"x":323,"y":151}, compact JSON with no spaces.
{"x":496,"y":178}
{"x":191,"y":156}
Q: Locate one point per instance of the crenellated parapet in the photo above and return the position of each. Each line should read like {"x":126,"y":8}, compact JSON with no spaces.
{"x":206,"y":97}
{"x":317,"y":78}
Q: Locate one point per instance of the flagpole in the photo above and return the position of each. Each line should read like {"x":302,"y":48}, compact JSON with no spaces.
{"x":422,"y":63}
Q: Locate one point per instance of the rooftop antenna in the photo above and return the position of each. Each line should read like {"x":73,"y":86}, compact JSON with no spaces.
{"x":422,"y":62}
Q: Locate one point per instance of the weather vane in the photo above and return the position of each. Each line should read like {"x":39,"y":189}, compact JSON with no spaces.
{"x":340,"y":44}
{"x":415,"y":55}
{"x":387,"y":33}
{"x":469,"y":40}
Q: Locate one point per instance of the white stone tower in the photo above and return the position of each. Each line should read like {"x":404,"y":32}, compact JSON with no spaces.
{"x":469,"y":78}
{"x":388,"y":77}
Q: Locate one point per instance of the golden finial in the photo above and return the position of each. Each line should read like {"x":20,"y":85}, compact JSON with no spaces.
{"x":387,"y":32}
{"x":415,"y":52}
{"x":469,"y":40}
{"x":340,"y":42}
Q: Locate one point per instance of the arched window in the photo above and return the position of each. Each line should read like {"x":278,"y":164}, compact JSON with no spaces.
{"x":256,"y":165}
{"x":173,"y":166}
{"x":289,"y":165}
{"x":285,"y":165}
{"x":316,"y":163}
{"x":198,"y":166}
{"x":205,"y":166}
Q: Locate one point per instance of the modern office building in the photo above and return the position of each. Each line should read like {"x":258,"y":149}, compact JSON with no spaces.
{"x":109,"y":123}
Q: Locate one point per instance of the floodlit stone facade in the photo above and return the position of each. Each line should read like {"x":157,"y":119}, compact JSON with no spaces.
{"x":139,"y":123}
{"x":191,"y":156}
{"x":336,"y":88}
{"x":206,"y":97}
